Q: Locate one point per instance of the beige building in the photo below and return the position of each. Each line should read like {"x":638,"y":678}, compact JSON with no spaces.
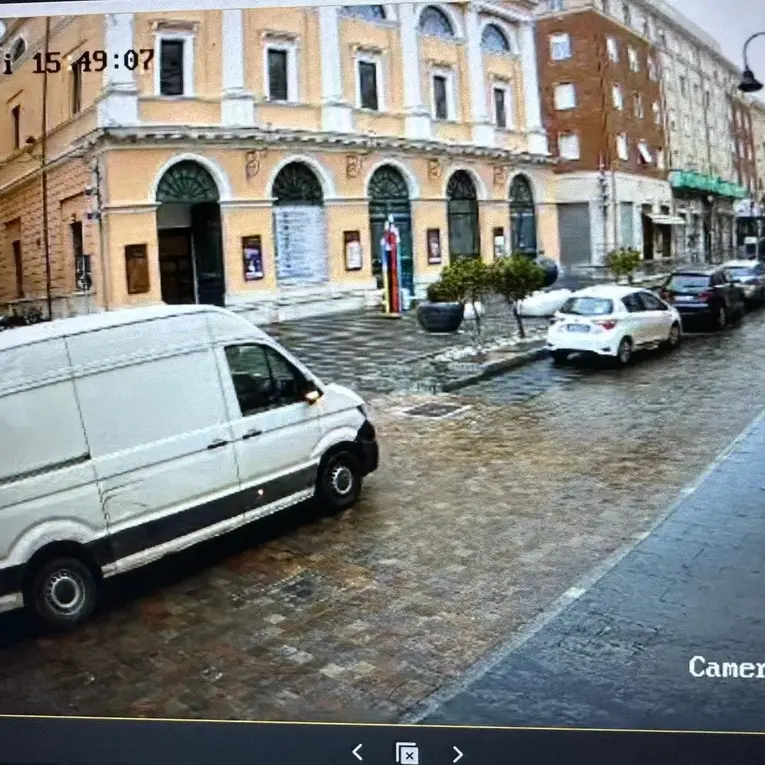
{"x":251,"y":158}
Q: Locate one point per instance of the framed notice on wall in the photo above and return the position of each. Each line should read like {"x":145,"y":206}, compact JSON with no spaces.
{"x":499,"y":242}
{"x":354,"y":259}
{"x":433,"y":244}
{"x":252,"y":258}
{"x":137,"y":269}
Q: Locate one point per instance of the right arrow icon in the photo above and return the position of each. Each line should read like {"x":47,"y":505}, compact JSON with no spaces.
{"x":459,"y":754}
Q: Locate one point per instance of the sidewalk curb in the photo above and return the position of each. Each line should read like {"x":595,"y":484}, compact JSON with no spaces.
{"x":497,"y":368}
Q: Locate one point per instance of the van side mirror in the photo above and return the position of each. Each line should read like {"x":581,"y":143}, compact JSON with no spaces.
{"x":311,"y":394}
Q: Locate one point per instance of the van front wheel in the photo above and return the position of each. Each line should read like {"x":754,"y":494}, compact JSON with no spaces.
{"x":63,"y":593}
{"x":339,"y":481}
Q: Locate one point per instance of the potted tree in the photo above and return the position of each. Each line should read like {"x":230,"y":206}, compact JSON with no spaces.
{"x":515,"y":278}
{"x":623,"y":263}
{"x":442,"y":311}
{"x":464,"y":283}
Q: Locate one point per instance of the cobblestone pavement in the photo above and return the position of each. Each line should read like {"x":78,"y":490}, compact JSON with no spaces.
{"x":618,"y":657}
{"x":375,"y":354}
{"x":473,"y":525}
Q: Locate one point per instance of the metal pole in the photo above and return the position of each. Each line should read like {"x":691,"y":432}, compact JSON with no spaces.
{"x":617,"y":239}
{"x":44,"y":171}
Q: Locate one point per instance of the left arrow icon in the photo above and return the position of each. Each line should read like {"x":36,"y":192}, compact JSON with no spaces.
{"x":356,"y":753}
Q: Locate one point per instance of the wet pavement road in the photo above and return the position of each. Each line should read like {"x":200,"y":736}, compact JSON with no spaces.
{"x":473,"y":526}
{"x":619,"y":655}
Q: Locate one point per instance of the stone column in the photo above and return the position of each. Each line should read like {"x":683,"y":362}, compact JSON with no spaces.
{"x":537,"y":137}
{"x":120,"y":103}
{"x":337,"y":114}
{"x":483,"y":130}
{"x":418,"y":124}
{"x":237,"y":105}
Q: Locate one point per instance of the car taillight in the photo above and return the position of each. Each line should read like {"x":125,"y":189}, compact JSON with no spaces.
{"x":706,"y":295}
{"x":607,"y":324}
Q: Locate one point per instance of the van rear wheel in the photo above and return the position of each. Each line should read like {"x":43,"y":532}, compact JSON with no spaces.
{"x":339,"y":481}
{"x":62,"y":593}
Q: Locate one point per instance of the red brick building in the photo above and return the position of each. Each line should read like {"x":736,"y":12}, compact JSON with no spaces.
{"x":602,"y":108}
{"x":744,"y":151}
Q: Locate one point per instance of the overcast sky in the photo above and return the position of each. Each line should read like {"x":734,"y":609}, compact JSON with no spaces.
{"x":730,"y":22}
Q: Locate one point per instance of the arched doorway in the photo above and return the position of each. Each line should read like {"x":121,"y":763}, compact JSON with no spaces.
{"x":300,"y":227}
{"x":189,"y":236}
{"x":523,"y":217}
{"x":462,"y":217}
{"x":389,"y":195}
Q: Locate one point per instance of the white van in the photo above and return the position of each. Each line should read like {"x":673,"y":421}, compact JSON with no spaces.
{"x":132,"y":434}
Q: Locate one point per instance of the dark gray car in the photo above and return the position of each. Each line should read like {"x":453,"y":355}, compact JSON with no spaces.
{"x":705,"y":295}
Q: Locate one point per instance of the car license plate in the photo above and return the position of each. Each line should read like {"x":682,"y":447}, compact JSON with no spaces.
{"x":683,"y":298}
{"x":578,"y":328}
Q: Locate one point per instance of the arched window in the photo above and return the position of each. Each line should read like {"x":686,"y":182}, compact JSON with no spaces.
{"x":435,"y":22}
{"x":495,"y":40}
{"x":523,"y":219}
{"x":368,"y":12}
{"x":462,"y":217}
{"x":297,"y":184}
{"x":19,"y":49}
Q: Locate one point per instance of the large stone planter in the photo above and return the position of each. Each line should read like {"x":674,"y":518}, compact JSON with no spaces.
{"x":440,"y":317}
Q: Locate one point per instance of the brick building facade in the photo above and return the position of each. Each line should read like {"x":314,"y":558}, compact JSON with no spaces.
{"x":602,"y":107}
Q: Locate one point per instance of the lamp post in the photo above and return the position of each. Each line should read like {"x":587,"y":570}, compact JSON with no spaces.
{"x":749,"y":83}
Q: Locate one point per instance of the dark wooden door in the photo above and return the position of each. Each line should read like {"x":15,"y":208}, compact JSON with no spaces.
{"x":176,"y":267}
{"x":208,"y":253}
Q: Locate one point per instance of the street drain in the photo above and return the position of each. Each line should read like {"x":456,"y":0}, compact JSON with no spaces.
{"x":435,"y":411}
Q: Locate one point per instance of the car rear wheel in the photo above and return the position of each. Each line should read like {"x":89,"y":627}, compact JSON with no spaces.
{"x":559,"y":357}
{"x":624,"y":352}
{"x":675,"y":336}
{"x":62,"y":593}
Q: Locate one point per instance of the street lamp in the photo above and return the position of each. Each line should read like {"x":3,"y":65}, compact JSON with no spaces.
{"x":749,"y":83}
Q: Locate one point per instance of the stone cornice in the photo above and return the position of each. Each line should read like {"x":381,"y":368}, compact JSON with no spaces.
{"x":249,"y":138}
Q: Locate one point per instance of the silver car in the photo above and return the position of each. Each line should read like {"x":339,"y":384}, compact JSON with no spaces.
{"x":750,"y":276}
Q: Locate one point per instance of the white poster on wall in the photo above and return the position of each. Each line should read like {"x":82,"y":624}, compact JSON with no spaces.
{"x":301,"y":244}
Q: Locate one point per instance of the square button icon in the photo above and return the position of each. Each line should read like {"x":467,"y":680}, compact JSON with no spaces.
{"x":407,"y":754}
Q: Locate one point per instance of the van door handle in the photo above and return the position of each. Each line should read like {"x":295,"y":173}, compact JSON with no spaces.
{"x":252,"y":433}
{"x":218,"y":444}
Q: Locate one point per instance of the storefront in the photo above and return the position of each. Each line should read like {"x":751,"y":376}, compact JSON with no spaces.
{"x":707,"y":206}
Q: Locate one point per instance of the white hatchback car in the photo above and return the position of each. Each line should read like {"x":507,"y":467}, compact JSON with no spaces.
{"x":612,"y":321}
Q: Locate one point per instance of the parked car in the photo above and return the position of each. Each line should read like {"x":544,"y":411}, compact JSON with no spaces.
{"x":705,"y":294}
{"x":750,"y":276}
{"x":133,"y":434}
{"x":612,"y":321}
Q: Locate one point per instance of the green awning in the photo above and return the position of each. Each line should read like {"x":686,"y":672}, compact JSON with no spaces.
{"x":689,"y":179}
